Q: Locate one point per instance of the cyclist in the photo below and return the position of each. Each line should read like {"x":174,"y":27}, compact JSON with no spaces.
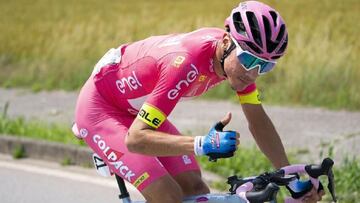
{"x":122,"y":109}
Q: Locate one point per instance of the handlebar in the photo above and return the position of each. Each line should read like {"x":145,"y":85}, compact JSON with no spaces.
{"x":262,"y":188}
{"x":314,"y":171}
{"x":265,"y":186}
{"x":265,"y":195}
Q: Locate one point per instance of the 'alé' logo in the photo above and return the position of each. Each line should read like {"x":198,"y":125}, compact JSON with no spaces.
{"x":131,"y":81}
{"x":190,"y":77}
{"x":148,"y":117}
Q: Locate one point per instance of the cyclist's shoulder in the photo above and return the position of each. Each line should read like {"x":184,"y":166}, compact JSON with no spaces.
{"x":201,"y":40}
{"x":196,"y":43}
{"x":211,"y":31}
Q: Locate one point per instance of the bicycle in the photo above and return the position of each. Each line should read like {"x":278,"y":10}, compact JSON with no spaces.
{"x":261,"y":188}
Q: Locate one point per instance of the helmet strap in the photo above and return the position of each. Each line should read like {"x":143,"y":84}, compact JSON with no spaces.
{"x":225,"y":55}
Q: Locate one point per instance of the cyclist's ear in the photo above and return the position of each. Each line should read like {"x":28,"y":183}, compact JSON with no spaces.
{"x":226,"y":41}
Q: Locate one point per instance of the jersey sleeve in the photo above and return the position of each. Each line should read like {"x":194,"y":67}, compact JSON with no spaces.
{"x":177,"y":72}
{"x":250,"y":95}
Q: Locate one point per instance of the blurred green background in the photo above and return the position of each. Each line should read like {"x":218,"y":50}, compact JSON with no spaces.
{"x":50,"y":44}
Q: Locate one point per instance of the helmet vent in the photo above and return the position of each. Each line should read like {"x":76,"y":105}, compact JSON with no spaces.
{"x":267,"y":28}
{"x":283,"y":47}
{"x":253,"y":47}
{"x":274,"y":17}
{"x":239,"y":24}
{"x":254,"y":27}
{"x":270,"y":45}
{"x":281,"y":34}
{"x":276,"y":57}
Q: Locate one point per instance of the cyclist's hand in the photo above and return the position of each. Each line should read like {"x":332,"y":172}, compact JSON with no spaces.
{"x":217,"y":143}
{"x":305,"y":192}
{"x":313,"y":196}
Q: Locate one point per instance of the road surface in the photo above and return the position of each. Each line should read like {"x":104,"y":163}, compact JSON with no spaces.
{"x":309,"y":130}
{"x":29,"y":180}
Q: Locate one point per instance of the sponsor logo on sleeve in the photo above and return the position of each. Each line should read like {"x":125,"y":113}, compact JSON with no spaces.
{"x":151,"y":115}
{"x":190,"y":78}
{"x":202,"y":78}
{"x":131,"y":82}
{"x":141,"y":179}
{"x":178,"y":61}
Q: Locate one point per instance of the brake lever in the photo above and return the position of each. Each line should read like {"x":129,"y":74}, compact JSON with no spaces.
{"x":235,"y":182}
{"x":331,"y":185}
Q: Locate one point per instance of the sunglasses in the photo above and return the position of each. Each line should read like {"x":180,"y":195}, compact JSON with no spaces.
{"x":249,"y":61}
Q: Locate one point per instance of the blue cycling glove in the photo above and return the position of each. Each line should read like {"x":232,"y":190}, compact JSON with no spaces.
{"x":299,"y":188}
{"x":216,"y":144}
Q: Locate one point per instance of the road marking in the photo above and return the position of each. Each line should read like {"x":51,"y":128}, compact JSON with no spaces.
{"x":63,"y":174}
{"x":59,"y":174}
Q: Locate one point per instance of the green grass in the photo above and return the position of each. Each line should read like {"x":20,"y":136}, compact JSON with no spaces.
{"x":242,"y":163}
{"x":18,"y":152}
{"x":347,"y":184}
{"x":66,"y":161}
{"x":49,"y":44}
{"x":246,"y":162}
{"x":37,"y":130}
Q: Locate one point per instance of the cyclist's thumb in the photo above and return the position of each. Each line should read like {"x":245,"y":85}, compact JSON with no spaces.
{"x":226,"y":119}
{"x":220,"y":125}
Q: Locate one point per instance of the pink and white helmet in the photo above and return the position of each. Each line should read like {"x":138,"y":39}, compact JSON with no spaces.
{"x":259,"y":29}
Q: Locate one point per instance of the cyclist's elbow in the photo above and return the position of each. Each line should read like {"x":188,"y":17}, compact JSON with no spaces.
{"x":134,"y":142}
{"x":136,"y":139}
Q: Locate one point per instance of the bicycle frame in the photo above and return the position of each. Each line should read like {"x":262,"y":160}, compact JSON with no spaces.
{"x":209,"y":198}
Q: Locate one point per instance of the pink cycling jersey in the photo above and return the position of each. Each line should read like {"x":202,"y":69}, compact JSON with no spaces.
{"x":146,"y":79}
{"x":156,"y":72}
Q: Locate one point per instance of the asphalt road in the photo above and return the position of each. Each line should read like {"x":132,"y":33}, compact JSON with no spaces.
{"x":33,"y":181}
{"x":36,"y":181}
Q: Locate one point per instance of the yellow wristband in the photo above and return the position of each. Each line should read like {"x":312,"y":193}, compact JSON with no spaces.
{"x":251,"y":98}
{"x":151,"y":115}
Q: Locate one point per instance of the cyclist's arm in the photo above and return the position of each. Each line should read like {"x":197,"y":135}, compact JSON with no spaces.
{"x":269,"y":141}
{"x":144,"y":139}
{"x":143,"y":136}
{"x":261,"y":127}
{"x":265,"y":134}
